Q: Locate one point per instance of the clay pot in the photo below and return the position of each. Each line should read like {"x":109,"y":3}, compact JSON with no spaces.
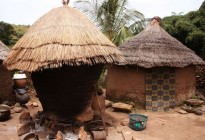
{"x":4,"y":112}
{"x":22,"y":98}
{"x":20,"y":83}
{"x":20,"y":80}
{"x":98,"y":135}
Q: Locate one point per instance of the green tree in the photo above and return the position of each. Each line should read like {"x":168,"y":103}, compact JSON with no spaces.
{"x":19,"y":31}
{"x":113,"y":18}
{"x":6,"y":31}
{"x":188,"y":29}
{"x":11,"y":33}
{"x":196,"y":41}
{"x":202,"y":7}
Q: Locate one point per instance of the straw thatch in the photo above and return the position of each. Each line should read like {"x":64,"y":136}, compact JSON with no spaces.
{"x":62,"y":36}
{"x":155,"y":47}
{"x":3,"y":50}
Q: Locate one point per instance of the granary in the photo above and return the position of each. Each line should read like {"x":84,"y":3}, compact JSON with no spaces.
{"x":159,"y":71}
{"x":6,"y":86}
{"x":65,"y":54}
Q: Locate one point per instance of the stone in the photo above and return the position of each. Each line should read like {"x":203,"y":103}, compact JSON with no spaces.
{"x":12,"y":111}
{"x":200,"y":96}
{"x":17,"y":109}
{"x":188,"y":109}
{"x":181,"y":111}
{"x":59,"y":135}
{"x":35,"y":104}
{"x":108,"y":103}
{"x":25,"y":117}
{"x":125,"y":122}
{"x":132,"y":103}
{"x":198,"y":112}
{"x":122,"y":106}
{"x":82,"y":134}
{"x":25,"y":128}
{"x":195,"y":102}
{"x":17,"y":105}
{"x":28,"y":104}
{"x":203,"y":108}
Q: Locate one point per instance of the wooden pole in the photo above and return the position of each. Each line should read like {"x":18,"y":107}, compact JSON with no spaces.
{"x":99,"y":106}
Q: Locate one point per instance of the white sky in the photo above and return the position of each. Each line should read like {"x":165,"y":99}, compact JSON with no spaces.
{"x":28,"y":11}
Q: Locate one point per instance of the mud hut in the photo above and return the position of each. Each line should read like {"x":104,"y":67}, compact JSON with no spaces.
{"x":159,"y":71}
{"x":65,"y":54}
{"x":6,"y":86}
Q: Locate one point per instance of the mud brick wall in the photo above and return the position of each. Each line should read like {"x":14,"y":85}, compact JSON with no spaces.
{"x":6,"y":84}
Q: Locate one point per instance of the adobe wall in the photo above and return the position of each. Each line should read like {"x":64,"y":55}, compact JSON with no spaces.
{"x":128,"y":84}
{"x":125,"y":83}
{"x":185,"y":83}
{"x":6,"y":84}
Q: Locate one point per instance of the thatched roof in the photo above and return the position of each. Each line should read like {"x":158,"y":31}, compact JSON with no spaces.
{"x":155,"y":47}
{"x":3,"y":50}
{"x":62,"y":36}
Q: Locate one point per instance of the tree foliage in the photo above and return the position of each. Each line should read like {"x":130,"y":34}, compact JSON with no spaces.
{"x":6,"y":31}
{"x":202,"y":6}
{"x":10,"y":33}
{"x":188,"y":29}
{"x":113,"y":18}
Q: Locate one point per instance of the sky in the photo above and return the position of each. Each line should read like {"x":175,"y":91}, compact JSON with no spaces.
{"x":26,"y":12}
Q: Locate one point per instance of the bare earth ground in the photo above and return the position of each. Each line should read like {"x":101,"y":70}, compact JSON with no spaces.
{"x":160,"y":126}
{"x":168,"y":126}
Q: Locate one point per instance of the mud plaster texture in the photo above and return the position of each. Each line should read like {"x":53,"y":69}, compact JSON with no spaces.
{"x":126,"y":83}
{"x":6,"y":84}
{"x":185,"y":86}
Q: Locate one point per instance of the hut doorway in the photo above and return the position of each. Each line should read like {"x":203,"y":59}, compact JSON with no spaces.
{"x":160,"y":89}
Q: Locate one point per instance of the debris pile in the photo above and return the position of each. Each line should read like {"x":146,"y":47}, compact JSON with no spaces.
{"x":193,"y":106}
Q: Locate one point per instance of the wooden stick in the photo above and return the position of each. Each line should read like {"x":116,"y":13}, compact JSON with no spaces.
{"x":99,"y":106}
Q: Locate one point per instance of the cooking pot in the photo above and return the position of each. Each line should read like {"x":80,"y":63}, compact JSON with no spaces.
{"x":20,"y":80}
{"x":4,"y":112}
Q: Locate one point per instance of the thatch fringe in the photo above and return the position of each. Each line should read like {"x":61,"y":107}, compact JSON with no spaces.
{"x":57,"y":55}
{"x":62,"y":36}
{"x":155,"y":47}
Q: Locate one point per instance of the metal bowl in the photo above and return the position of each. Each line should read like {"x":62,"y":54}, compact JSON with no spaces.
{"x":4,"y":112}
{"x":31,"y":136}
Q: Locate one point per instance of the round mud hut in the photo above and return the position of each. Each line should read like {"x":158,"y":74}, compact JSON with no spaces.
{"x":158,"y":72}
{"x":65,"y":54}
{"x":6,"y":84}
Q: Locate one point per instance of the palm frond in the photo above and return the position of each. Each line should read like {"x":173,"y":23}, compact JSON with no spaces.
{"x":113,"y":18}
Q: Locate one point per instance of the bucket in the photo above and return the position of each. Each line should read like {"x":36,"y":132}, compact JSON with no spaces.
{"x":138,"y":122}
{"x":98,"y":135}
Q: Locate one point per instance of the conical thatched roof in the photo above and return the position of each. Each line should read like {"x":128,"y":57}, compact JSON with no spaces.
{"x":155,"y":47}
{"x":62,"y":36}
{"x":3,"y":50}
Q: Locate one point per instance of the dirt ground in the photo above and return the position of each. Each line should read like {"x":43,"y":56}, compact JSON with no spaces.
{"x":160,"y":126}
{"x":168,"y":125}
